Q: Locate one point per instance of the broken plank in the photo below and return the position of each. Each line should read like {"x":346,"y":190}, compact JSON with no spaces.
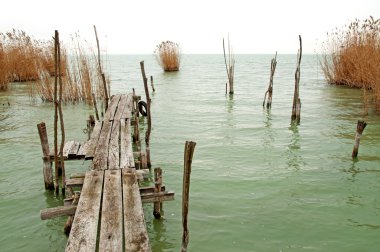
{"x":135,"y":234}
{"x":84,"y":230}
{"x":149,"y":189}
{"x":111,"y":232}
{"x":113,"y":148}
{"x":91,"y":144}
{"x":67,"y":148}
{"x":82,"y":150}
{"x":53,"y":212}
{"x":73,"y":150}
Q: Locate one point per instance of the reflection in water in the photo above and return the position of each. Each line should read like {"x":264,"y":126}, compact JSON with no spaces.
{"x":293,"y":151}
{"x":269,"y":133}
{"x":230,"y":103}
{"x":159,"y":241}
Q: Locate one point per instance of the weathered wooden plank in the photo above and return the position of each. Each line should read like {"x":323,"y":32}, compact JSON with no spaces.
{"x":111,"y":233}
{"x":53,"y":212}
{"x":120,"y":108}
{"x":110,"y":113}
{"x":101,"y":152}
{"x":157,"y":197}
{"x":150,"y":189}
{"x":126,"y":152}
{"x":77,"y":175}
{"x":73,"y":150}
{"x":74,"y":182}
{"x":82,"y":149}
{"x":127,"y":112}
{"x":84,"y":230}
{"x":91,"y":144}
{"x":114,"y":148}
{"x":135,"y":234}
{"x":66,"y":148}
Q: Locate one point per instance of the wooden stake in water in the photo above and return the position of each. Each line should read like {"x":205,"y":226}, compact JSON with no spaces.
{"x":359,"y":131}
{"x":157,"y":189}
{"x":56,"y":165}
{"x":151,"y":83}
{"x":95,"y":106}
{"x":188,"y":158}
{"x":269,"y":92}
{"x":47,"y":169}
{"x":296,"y":109}
{"x":230,"y":66}
{"x":147,"y":132}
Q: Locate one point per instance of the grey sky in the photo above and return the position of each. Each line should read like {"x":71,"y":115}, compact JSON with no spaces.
{"x":137,"y":26}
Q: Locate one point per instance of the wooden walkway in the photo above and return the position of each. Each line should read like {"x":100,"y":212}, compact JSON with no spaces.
{"x":109,"y":214}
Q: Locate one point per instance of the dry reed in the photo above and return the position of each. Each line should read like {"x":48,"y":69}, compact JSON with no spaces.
{"x":168,"y":55}
{"x":352,"y":58}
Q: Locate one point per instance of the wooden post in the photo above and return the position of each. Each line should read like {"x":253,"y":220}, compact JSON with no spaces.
{"x":151,"y":83}
{"x":359,"y":131}
{"x":269,"y":92}
{"x":296,"y":109}
{"x":101,"y":71}
{"x":148,"y":101}
{"x":157,"y":189}
{"x":47,"y":169}
{"x":105,"y":91}
{"x":230,"y":67}
{"x":56,"y":165}
{"x":68,"y":225}
{"x":96,"y":107}
{"x":188,"y":158}
{"x":62,"y":162}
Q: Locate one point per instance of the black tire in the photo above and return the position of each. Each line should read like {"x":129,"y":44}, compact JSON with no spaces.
{"x":143,"y":108}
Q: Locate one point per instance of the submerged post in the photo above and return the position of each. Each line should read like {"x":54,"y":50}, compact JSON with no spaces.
{"x":151,"y":83}
{"x":296,"y":109}
{"x":157,"y":189}
{"x":359,"y":131}
{"x":269,"y":92}
{"x":188,"y":158}
{"x":47,"y":169}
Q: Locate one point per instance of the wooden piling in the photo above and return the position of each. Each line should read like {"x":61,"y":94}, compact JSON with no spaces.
{"x":269,"y":92}
{"x":47,"y":168}
{"x":359,"y":131}
{"x":62,"y":162}
{"x":296,"y":109}
{"x":157,"y":189}
{"x":56,"y":165}
{"x":230,"y":67}
{"x":95,"y":106}
{"x":151,"y":83}
{"x":148,"y":101}
{"x":188,"y":158}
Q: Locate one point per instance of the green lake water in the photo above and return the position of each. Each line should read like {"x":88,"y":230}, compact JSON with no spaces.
{"x":258,"y":183}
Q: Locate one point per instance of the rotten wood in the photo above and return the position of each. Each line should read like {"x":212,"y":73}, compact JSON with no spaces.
{"x":53,"y":212}
{"x":296,"y":108}
{"x":269,"y":91}
{"x":359,"y":131}
{"x":157,"y":189}
{"x":47,"y":167}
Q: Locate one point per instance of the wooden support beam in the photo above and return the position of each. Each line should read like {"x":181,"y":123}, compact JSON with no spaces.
{"x":157,"y":197}
{"x":157,"y":190}
{"x":47,"y":167}
{"x":53,"y":212}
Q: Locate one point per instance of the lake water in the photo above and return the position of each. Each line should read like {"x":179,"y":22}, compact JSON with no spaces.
{"x":258,"y":183}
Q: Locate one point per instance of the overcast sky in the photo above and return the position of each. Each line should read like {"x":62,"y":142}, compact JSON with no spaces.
{"x":137,"y":26}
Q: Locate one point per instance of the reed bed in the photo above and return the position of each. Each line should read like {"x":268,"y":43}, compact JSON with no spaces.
{"x":22,"y":58}
{"x":168,"y":55}
{"x":79,"y":79}
{"x":352,"y":58}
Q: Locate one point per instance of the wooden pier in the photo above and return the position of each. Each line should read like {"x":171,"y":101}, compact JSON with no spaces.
{"x":109,"y":214}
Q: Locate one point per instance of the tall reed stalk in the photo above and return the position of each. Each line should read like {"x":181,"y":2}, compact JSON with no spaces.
{"x":168,"y":55}
{"x":351,"y":57}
